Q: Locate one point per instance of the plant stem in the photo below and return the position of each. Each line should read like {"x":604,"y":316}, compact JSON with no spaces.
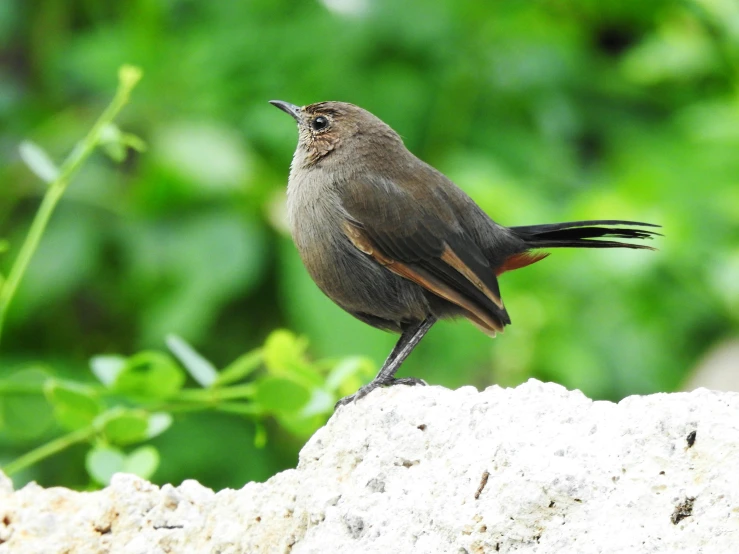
{"x":240,"y":408}
{"x":216,"y":394}
{"x":49,"y":449}
{"x":128,"y":76}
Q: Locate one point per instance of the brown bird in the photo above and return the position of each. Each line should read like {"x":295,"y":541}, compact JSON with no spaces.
{"x":399,"y":246}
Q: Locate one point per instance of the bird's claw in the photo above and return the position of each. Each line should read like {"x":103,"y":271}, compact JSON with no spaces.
{"x":410,"y":381}
{"x":369,"y":387}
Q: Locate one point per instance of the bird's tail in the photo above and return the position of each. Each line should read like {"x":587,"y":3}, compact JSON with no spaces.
{"x":580,"y":234}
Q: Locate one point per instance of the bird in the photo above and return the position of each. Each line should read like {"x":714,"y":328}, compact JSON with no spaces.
{"x":398,"y":245}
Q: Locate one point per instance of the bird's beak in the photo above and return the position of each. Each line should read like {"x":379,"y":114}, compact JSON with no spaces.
{"x":287,"y":107}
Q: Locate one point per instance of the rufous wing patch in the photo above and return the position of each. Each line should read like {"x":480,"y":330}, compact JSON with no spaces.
{"x":359,"y":239}
{"x":450,"y":258}
{"x":517,"y":261}
{"x":417,"y":275}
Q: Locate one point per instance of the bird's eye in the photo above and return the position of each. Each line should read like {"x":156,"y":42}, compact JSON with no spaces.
{"x":319,"y":123}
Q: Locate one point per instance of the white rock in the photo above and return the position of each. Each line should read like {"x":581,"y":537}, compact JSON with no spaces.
{"x":423,"y":470}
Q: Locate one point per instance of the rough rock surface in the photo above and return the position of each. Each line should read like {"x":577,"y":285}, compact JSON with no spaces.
{"x":423,"y":470}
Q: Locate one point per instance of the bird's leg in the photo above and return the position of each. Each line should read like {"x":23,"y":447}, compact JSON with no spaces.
{"x":408,"y":340}
{"x":386,"y":376}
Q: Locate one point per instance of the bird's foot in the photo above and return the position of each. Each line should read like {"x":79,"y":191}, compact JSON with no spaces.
{"x":410,"y":381}
{"x":369,"y":387}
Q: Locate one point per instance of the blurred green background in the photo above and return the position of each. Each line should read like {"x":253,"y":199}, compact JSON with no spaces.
{"x":542,"y":111}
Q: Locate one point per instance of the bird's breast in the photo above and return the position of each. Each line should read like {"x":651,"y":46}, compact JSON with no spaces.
{"x":350,"y":278}
{"x":316,"y":216}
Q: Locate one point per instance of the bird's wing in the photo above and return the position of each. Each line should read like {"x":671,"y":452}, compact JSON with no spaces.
{"x":419,"y":238}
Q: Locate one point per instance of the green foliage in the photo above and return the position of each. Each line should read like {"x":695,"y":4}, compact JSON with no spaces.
{"x":75,"y":406}
{"x":25,"y":415}
{"x":541,"y":111}
{"x":149,"y":374}
{"x":102,"y":462}
{"x":138,"y":396}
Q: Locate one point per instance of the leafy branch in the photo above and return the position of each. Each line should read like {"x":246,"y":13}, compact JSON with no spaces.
{"x":136,"y":399}
{"x":101,"y":133}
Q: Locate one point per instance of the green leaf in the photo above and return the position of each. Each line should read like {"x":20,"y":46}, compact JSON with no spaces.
{"x":25,"y":416}
{"x":116,"y":143}
{"x":107,"y":368}
{"x":129,"y":75}
{"x":300,"y":425}
{"x":276,"y":394}
{"x":75,"y":406}
{"x":158,"y":423}
{"x":260,"y":435}
{"x":134,"y":142}
{"x":116,"y":151}
{"x":127,"y":427}
{"x":143,"y":462}
{"x":38,"y":161}
{"x":283,"y":349}
{"x":284,"y":356}
{"x":201,"y":369}
{"x":348,"y":368}
{"x":102,"y":462}
{"x":321,"y":402}
{"x":150,"y":374}
{"x":4,"y":245}
{"x":240,"y":368}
